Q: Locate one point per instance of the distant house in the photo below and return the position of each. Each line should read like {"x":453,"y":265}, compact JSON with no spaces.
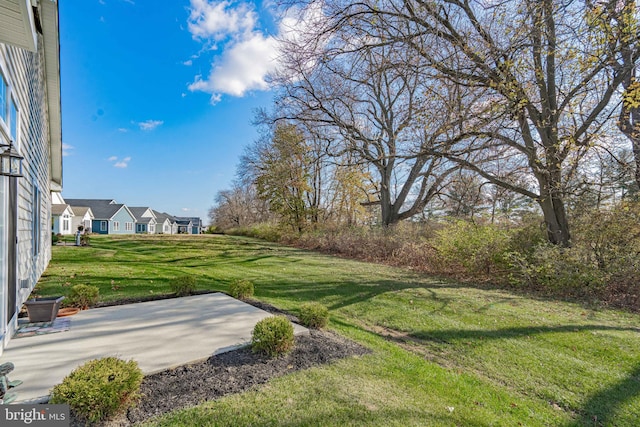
{"x":184,"y":225}
{"x":109,"y":217}
{"x":166,"y":224}
{"x":62,"y":219}
{"x":82,"y":216}
{"x":30,"y":121}
{"x":189,"y":225}
{"x":145,"y":220}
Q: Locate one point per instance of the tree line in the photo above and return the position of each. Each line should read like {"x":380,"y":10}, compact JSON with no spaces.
{"x":392,"y":110}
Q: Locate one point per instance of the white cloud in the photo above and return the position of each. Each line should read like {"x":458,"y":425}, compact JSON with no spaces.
{"x":66,"y":149}
{"x":120,"y":164}
{"x":123,"y":130}
{"x":244,"y":55}
{"x":188,"y":62}
{"x":185,"y":209}
{"x":217,"y":20}
{"x":242,"y":67}
{"x":150,"y":124}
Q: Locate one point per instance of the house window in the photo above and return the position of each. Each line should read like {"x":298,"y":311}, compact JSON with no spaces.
{"x":166,"y":228}
{"x":152,"y":228}
{"x":13,"y":120}
{"x":8,"y":109}
{"x":4,"y":95}
{"x":140,"y":228}
{"x":116,"y":226}
{"x":103,"y":225}
{"x":128,"y":226}
{"x":65,"y":223}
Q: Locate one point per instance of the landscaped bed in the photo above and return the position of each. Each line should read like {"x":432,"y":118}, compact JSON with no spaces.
{"x":442,"y":353}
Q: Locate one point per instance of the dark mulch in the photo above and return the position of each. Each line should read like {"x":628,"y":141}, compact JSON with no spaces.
{"x":231,"y":372}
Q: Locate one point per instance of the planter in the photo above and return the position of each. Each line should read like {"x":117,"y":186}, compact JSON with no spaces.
{"x":43,"y":309}
{"x":68,"y":311}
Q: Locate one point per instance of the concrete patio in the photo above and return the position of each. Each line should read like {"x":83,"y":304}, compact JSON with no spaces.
{"x":158,"y":335}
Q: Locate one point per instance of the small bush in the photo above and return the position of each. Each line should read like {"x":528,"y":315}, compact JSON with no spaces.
{"x":314,"y":315}
{"x":100,"y":388}
{"x":560,"y":271}
{"x":183,"y":285}
{"x":54,"y":238}
{"x":272,"y":336}
{"x":478,"y":249}
{"x":241,"y":289}
{"x":83,"y":296}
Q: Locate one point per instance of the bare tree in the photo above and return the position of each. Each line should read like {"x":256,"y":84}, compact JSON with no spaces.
{"x":238,"y":207}
{"x":544,"y":80}
{"x":374,"y":103}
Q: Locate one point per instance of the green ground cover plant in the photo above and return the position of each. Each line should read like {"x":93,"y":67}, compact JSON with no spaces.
{"x":100,"y":389}
{"x":241,"y":289}
{"x":443,"y":352}
{"x":183,"y":285}
{"x":314,"y":315}
{"x":83,"y":296}
{"x":272,"y":336}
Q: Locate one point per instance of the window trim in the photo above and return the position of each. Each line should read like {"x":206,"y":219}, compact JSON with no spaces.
{"x":116,"y":225}
{"x":103,"y":225}
{"x":9,"y":125}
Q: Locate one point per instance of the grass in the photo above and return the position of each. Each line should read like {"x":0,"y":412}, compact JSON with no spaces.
{"x":443,"y":353}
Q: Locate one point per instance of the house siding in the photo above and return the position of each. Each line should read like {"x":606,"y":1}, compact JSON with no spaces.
{"x":95,"y":226}
{"x":122,"y":216}
{"x":24,"y":72}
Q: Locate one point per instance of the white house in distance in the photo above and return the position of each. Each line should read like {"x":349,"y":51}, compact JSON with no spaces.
{"x":82,"y":216}
{"x":62,"y":219}
{"x":30,"y":125}
{"x":145,"y":220}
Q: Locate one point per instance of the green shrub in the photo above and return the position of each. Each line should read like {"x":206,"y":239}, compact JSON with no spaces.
{"x":264,"y":231}
{"x":314,"y":315}
{"x":183,"y":285}
{"x":272,"y":336}
{"x":478,"y":249}
{"x":557,"y":270}
{"x":54,"y":238}
{"x":83,"y":296}
{"x":241,"y":289}
{"x":100,"y":388}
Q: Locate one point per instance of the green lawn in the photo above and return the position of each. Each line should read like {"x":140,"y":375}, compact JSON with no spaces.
{"x":443,"y":353}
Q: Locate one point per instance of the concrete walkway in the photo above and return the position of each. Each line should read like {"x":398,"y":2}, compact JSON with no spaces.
{"x":158,"y":335}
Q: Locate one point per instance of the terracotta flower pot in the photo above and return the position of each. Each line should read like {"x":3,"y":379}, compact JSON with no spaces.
{"x":68,"y":311}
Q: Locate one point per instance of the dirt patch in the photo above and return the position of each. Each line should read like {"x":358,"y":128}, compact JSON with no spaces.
{"x":231,"y":372}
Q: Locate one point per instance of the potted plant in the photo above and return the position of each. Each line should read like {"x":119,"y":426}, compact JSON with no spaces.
{"x":43,"y":309}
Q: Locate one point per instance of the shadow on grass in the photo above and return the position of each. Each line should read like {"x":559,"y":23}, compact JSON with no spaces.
{"x":600,"y":409}
{"x":450,"y":335}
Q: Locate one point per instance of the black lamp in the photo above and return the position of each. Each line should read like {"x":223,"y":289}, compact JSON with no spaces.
{"x":10,"y":161}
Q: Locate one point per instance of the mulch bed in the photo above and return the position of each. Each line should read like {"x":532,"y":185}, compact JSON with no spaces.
{"x":230,"y":372}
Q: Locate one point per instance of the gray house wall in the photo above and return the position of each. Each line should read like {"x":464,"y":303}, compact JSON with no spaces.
{"x":25,"y":74}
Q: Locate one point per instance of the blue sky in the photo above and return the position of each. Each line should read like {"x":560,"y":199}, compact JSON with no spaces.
{"x":158,"y":97}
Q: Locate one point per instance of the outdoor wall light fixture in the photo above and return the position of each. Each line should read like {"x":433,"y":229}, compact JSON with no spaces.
{"x":10,"y":161}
